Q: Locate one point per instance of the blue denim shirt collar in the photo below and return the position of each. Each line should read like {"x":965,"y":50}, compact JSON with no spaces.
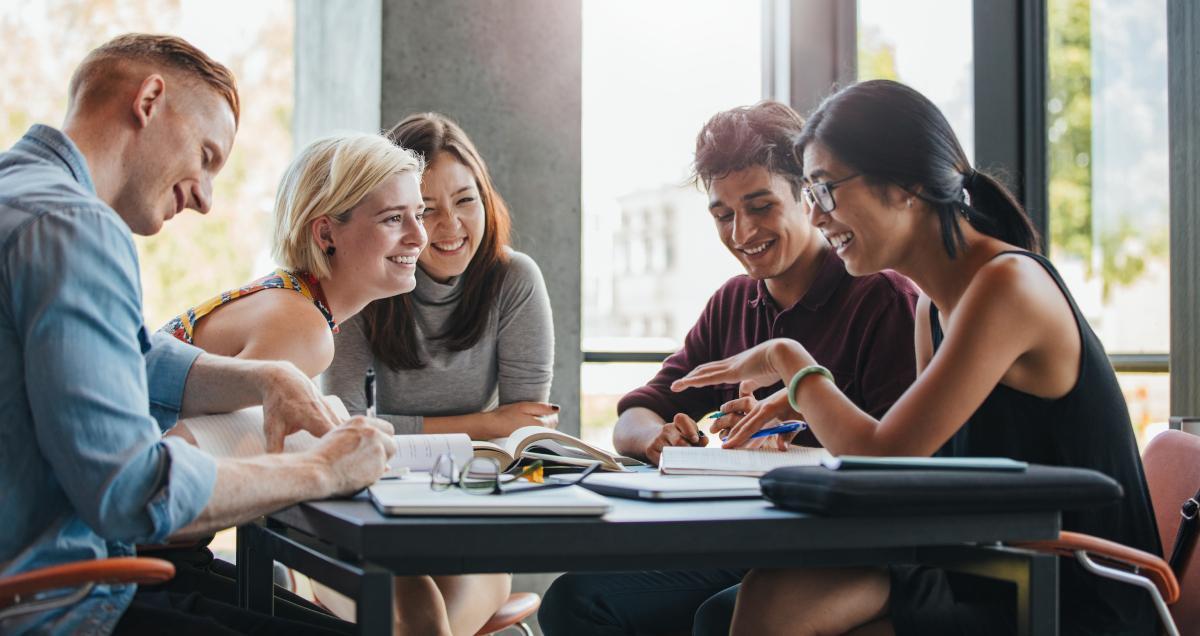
{"x":54,"y":145}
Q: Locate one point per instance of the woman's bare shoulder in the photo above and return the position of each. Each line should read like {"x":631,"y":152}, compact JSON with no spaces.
{"x":278,"y":324}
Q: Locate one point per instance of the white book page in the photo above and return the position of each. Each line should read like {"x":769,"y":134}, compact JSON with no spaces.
{"x":559,"y":449}
{"x":240,"y":433}
{"x":419,"y":452}
{"x":690,"y":460}
{"x":514,"y":440}
{"x":559,"y":443}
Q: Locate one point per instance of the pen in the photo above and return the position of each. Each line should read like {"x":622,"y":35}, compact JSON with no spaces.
{"x":369,"y":389}
{"x":786,"y":427}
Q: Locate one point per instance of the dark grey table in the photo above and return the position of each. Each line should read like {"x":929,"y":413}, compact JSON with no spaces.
{"x":349,"y":546}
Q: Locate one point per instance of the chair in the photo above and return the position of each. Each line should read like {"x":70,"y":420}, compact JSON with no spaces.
{"x":1172,"y":465}
{"x":16,"y":591}
{"x":512,"y":614}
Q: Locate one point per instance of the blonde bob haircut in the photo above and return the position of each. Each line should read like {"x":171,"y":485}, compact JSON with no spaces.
{"x":327,"y":179}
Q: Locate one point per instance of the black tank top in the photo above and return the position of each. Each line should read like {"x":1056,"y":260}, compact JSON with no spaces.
{"x":1089,"y":427}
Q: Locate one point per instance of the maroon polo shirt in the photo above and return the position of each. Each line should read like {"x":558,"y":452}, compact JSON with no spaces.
{"x":861,"y":329}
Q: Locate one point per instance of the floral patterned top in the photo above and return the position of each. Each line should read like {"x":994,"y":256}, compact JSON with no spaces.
{"x":184,"y":325}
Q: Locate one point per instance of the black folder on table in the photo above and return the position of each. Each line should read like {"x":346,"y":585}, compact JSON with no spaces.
{"x":881,"y":492}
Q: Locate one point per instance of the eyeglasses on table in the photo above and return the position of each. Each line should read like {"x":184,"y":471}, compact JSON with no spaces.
{"x":483,"y":476}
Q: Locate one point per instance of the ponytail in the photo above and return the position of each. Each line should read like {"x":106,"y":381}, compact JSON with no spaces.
{"x":994,"y":211}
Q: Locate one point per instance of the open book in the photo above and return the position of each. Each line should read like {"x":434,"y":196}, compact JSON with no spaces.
{"x":240,"y":434}
{"x":691,"y":460}
{"x":550,"y":446}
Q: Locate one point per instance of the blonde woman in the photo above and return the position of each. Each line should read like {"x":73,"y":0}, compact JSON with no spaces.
{"x":348,"y":230}
{"x":471,"y":349}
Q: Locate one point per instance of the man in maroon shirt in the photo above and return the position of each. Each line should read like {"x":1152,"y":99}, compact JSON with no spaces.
{"x":796,"y":287}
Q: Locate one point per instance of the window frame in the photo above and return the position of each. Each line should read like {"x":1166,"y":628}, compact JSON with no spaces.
{"x":1010,"y":62}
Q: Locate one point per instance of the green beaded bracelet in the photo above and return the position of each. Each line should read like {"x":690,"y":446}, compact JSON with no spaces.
{"x":816,"y":368}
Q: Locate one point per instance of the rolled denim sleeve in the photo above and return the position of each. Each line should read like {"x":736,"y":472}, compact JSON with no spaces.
{"x":78,"y":306}
{"x":167,"y":365}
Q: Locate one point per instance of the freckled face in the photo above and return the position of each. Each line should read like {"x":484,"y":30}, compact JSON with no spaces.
{"x":378,"y":246}
{"x":172,"y":164}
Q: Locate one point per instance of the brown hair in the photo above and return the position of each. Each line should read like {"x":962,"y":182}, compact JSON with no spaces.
{"x":758,"y":135}
{"x":163,"y":50}
{"x":389,"y":322}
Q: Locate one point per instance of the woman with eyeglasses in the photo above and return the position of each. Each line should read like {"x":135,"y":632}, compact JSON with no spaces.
{"x":1006,"y":366}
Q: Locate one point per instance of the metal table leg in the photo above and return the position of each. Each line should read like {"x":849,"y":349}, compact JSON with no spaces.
{"x":375,"y":602}
{"x":255,"y":586}
{"x":370,"y":586}
{"x":1035,"y":575}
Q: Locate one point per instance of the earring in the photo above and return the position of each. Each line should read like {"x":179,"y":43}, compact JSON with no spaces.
{"x":910,"y":201}
{"x":330,"y":250}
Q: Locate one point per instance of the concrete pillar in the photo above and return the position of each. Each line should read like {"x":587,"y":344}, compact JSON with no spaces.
{"x":338,"y":62}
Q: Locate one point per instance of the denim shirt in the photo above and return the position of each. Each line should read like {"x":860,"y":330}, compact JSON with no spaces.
{"x":85,"y":392}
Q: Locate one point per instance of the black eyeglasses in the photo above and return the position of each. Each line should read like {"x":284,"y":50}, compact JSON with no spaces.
{"x":821,"y":194}
{"x":482,"y":476}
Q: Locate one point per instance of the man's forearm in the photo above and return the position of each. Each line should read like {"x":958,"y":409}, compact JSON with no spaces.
{"x":635,"y":429}
{"x":217,"y":384}
{"x":247,"y":488}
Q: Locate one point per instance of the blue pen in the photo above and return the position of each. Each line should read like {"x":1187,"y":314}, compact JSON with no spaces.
{"x":786,"y":427}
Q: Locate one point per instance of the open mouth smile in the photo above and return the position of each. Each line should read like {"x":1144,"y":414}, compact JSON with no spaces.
{"x":451,"y":246}
{"x":840,"y":240}
{"x":757,"y":250}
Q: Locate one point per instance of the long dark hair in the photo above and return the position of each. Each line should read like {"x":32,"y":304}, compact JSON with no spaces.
{"x":389,"y":322}
{"x":892,"y":134}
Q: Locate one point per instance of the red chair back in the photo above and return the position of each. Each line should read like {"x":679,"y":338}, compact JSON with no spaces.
{"x":1172,"y":462}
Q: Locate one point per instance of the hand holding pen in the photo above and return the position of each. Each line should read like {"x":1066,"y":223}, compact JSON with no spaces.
{"x":785,"y":430}
{"x":682,"y":430}
{"x":769,"y":411}
{"x":754,"y":416}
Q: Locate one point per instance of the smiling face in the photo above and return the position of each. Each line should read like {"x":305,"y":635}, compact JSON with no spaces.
{"x":174,"y":158}
{"x":454,"y":217}
{"x":760,"y":221}
{"x":378,"y":246}
{"x":868,"y":228}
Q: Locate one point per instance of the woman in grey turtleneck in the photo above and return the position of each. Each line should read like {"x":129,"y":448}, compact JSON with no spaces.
{"x":470,"y":350}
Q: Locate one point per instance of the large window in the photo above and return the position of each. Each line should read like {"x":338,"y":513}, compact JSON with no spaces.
{"x":1106,"y":117}
{"x":653,"y":73}
{"x":899,"y":41}
{"x":194,"y":257}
